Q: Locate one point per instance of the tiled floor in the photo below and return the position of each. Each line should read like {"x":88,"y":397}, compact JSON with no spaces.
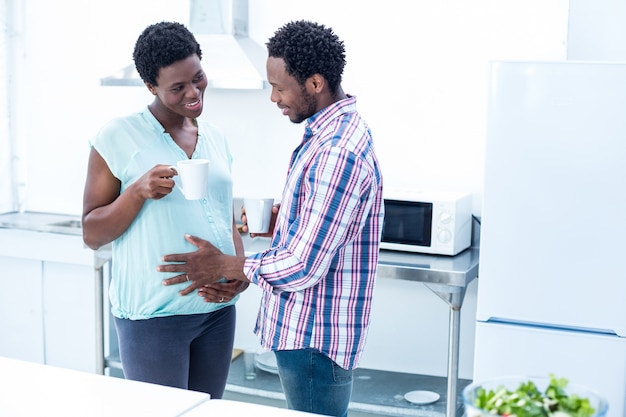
{"x":379,"y":393}
{"x":280,"y":403}
{"x":376,"y":393}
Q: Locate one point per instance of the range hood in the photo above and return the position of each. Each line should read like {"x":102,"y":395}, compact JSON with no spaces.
{"x":231,"y":60}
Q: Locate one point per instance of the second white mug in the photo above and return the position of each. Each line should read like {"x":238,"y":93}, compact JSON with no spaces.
{"x":258,"y":214}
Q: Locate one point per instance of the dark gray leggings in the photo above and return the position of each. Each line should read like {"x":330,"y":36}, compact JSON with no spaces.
{"x":191,"y":351}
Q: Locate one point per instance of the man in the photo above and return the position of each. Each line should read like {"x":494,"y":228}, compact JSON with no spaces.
{"x":318,"y":275}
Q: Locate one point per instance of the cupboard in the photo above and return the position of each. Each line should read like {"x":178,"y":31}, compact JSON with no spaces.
{"x":51,"y":299}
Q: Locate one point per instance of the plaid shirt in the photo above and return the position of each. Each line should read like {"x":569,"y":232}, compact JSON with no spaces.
{"x":318,"y":274}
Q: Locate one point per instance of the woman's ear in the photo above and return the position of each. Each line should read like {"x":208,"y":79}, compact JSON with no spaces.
{"x":151,"y":88}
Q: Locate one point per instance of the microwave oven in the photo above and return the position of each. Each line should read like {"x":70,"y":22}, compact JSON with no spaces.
{"x":437,"y":223}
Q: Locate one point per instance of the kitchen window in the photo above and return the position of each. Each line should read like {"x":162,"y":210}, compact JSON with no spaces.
{"x":5,"y":148}
{"x":9,"y":62}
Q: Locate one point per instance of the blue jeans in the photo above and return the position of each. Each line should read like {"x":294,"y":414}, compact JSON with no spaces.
{"x":185,"y":351}
{"x":312,"y":382}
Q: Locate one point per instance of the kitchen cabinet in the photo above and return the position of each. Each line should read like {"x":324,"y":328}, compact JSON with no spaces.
{"x":21,"y":309}
{"x":48,"y":294}
{"x":69,"y":314}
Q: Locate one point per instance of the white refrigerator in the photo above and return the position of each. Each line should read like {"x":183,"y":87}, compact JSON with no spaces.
{"x":552,"y":281}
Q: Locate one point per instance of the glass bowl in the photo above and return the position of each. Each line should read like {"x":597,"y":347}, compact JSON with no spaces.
{"x":471,"y":392}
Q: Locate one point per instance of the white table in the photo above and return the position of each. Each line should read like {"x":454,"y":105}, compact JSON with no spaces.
{"x":31,"y":390}
{"x":239,"y":408}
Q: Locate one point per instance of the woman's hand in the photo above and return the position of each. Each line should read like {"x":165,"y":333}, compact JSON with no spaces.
{"x":222,"y":292}
{"x":156,"y":183}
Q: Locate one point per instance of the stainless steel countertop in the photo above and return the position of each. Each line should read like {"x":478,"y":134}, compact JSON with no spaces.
{"x":457,"y":271}
{"x":42,"y":222}
{"x":451,"y":271}
{"x":65,"y":224}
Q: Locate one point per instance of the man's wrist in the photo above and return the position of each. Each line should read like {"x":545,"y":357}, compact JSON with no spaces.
{"x":233,"y":267}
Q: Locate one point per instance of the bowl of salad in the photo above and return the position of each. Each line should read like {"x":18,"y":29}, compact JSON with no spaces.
{"x":532,"y":397}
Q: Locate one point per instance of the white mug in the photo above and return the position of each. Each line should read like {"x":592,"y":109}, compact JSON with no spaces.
{"x":258,"y":214}
{"x":193,"y":178}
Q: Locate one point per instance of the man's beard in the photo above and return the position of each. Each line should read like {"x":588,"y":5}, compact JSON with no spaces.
{"x":310,"y":103}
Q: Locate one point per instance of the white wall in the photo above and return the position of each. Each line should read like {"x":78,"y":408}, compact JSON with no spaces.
{"x":419,"y":70}
{"x":420,"y":76}
{"x":597,"y":30}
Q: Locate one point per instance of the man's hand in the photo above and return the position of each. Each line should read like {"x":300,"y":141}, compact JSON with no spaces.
{"x":200,"y":268}
{"x":205,"y":266}
{"x":270,"y":233}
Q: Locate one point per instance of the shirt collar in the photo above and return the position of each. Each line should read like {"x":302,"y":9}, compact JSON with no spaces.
{"x":147,"y":114}
{"x":323,"y":117}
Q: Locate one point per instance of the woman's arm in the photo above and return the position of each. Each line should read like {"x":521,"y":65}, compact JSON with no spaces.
{"x":107,"y":213}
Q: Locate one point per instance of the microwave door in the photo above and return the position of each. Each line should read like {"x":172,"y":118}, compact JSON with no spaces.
{"x":408,"y":223}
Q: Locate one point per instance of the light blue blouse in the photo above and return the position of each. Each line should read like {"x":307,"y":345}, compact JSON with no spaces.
{"x":131,"y":146}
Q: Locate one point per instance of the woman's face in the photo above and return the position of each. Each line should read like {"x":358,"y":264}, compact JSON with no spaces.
{"x":181,"y":87}
{"x":292,"y":98}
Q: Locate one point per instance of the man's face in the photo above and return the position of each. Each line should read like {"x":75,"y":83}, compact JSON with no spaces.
{"x":293,"y":99}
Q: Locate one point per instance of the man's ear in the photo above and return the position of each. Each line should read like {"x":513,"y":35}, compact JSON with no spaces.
{"x":317,"y":82}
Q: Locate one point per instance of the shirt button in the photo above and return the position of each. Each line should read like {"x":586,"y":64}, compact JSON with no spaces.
{"x":205,"y":201}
